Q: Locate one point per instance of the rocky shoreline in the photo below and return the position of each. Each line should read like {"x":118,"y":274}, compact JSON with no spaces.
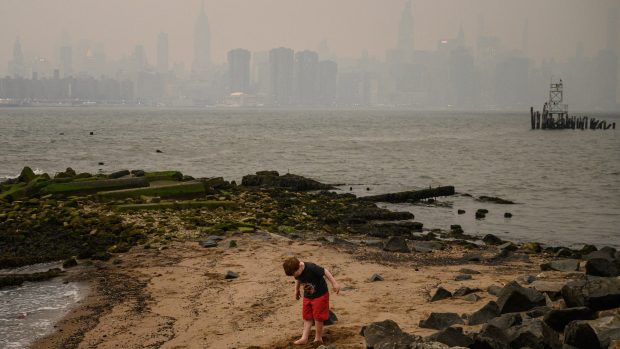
{"x":96,"y":219}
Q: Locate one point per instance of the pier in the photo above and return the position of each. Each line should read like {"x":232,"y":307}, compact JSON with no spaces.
{"x":555,"y":115}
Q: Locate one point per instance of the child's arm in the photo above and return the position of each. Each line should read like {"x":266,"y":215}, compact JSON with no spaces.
{"x":333,"y":281}
{"x":297,"y":291}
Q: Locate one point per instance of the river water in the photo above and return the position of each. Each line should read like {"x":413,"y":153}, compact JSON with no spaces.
{"x":566,"y":183}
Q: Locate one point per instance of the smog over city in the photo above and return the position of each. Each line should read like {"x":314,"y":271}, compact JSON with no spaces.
{"x":418,"y":54}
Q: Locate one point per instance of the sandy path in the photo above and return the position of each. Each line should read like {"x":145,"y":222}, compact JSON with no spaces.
{"x":181,"y":299}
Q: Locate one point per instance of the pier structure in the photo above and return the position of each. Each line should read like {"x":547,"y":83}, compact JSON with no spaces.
{"x":555,"y":114}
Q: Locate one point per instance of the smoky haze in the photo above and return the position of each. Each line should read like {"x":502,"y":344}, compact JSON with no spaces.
{"x":349,"y":26}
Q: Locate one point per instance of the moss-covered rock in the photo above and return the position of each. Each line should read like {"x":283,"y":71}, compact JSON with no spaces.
{"x":180,"y":205}
{"x":176,"y":191}
{"x":163,"y":176}
{"x":93,"y":186}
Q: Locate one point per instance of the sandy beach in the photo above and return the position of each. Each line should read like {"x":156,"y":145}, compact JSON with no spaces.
{"x":178,"y":297}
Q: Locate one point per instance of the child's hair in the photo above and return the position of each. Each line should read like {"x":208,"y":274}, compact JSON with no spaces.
{"x":290,"y":266}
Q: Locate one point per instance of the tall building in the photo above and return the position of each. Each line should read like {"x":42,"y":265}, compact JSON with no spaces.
{"x":306,"y":77}
{"x":17,"y":65}
{"x":405,"y":30}
{"x":202,"y":43}
{"x":328,"y":82}
{"x":281,"y":67}
{"x":239,"y":70}
{"x":66,"y":60}
{"x":139,"y":59}
{"x":162,"y":53}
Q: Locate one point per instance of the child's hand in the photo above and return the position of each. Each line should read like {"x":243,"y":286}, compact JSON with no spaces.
{"x":336,"y":288}
{"x":297,"y":294}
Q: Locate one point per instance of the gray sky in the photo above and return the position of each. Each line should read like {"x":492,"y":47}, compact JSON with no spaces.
{"x":349,"y":26}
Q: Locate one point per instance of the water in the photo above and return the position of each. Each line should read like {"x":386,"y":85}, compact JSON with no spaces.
{"x":567,"y":183}
{"x":30,"y":311}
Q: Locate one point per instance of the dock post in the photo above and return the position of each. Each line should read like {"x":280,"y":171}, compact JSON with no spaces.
{"x":532,"y":119}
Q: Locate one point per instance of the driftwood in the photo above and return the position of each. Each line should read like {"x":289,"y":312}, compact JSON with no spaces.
{"x":411,"y":196}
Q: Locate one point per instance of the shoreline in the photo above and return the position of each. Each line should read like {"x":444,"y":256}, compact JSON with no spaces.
{"x":158,"y":245}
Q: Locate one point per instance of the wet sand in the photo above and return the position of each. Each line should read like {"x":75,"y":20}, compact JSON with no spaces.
{"x":177,"y":297}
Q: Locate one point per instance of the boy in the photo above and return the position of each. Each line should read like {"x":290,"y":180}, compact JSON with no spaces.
{"x":316,"y":295}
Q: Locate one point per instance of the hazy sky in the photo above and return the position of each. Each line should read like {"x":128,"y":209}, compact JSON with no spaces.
{"x":349,"y":26}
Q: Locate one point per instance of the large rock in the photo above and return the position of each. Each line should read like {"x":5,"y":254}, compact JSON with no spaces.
{"x":561,"y":265}
{"x":452,"y":336}
{"x":603,"y":267}
{"x":397,"y":244}
{"x":441,"y":293}
{"x":491,"y":239}
{"x":593,"y":334}
{"x":515,"y":298}
{"x":506,"y":321}
{"x":439,"y":321}
{"x":553,"y":289}
{"x":490,"y":337}
{"x":483,"y":315}
{"x":464,"y":291}
{"x":535,"y":334}
{"x":386,"y":334}
{"x":287,"y":181}
{"x":594,"y":292}
{"x":559,"y":318}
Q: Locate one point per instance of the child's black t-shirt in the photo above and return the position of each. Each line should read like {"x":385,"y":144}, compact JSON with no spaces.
{"x":312,"y":280}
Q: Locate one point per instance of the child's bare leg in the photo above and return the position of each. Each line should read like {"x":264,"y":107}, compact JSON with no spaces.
{"x":306,"y":333}
{"x":319,"y":331}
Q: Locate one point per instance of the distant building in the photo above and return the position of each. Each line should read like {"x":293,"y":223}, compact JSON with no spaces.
{"x":261,"y":73}
{"x":306,"y":77}
{"x":281,"y":72}
{"x":162,"y":53}
{"x":328,"y":82}
{"x":239,"y":70}
{"x":405,"y":32}
{"x":17,"y":65}
{"x":139,"y":59}
{"x":66,"y":60}
{"x":202,"y":43}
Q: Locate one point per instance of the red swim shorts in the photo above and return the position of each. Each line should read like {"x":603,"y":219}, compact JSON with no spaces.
{"x":316,"y":308}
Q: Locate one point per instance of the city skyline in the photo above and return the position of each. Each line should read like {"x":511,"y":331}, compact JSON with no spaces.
{"x":373,"y":28}
{"x":462,"y":70}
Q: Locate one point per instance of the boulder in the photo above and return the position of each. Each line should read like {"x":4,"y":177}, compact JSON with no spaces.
{"x":397,"y":244}
{"x":427,"y":246}
{"x":71,"y":262}
{"x":439,"y":321}
{"x":508,"y":246}
{"x":603,"y":267}
{"x":386,"y":334}
{"x":608,"y":253}
{"x":463,"y":291}
{"x":208,"y":243}
{"x":26,"y":175}
{"x":594,"y":292}
{"x":462,"y":277}
{"x":452,"y":336}
{"x":483,"y":315}
{"x":557,"y":319}
{"x":506,"y":321}
{"x":551,"y":288}
{"x":375,"y":277}
{"x":515,"y":298}
{"x":535,"y":334}
{"x":531,"y":247}
{"x":231,"y":275}
{"x":287,"y":181}
{"x":592,"y":334}
{"x":561,"y":265}
{"x":468,"y":271}
{"x":564,"y":252}
{"x":538,"y":312}
{"x":441,"y":293}
{"x":473,"y":298}
{"x":491,"y":239}
{"x":332,"y":319}
{"x":118,"y":174}
{"x":490,"y":337}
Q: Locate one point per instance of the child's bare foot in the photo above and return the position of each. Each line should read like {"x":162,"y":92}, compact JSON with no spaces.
{"x":301,"y":341}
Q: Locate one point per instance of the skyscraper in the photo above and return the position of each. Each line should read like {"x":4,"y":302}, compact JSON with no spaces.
{"x":16,"y":65}
{"x":405,"y":30}
{"x":162,"y":53}
{"x":306,"y":77}
{"x":281,"y":67}
{"x":239,"y":70}
{"x":66,"y":60}
{"x":328,"y":82}
{"x":139,"y":59}
{"x":202,"y":43}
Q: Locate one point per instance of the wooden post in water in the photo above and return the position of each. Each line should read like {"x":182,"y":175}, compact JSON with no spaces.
{"x":532,"y":119}
{"x":613,"y":126}
{"x":538,"y":120}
